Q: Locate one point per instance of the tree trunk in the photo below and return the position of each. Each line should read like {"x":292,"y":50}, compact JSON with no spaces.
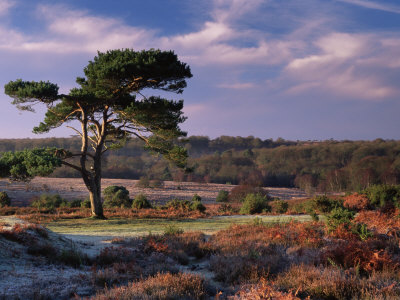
{"x":95,"y":203}
{"x":95,"y":186}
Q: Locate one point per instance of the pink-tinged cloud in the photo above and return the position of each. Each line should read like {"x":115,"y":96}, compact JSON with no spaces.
{"x":237,"y":86}
{"x":374,"y":5}
{"x":5,"y":6}
{"x":345,"y":67}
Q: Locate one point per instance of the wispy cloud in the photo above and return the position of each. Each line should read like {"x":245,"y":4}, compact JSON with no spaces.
{"x":374,"y":5}
{"x":5,"y":6}
{"x":237,"y":86}
{"x":346,"y":65}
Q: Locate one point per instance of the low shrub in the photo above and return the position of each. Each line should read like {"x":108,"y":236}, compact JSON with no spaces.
{"x":85,"y":203}
{"x":317,"y":282}
{"x":239,"y":193}
{"x":279,"y":206}
{"x":339,"y":216}
{"x":383,"y":195}
{"x":197,"y":205}
{"x":255,"y":203}
{"x":49,"y":201}
{"x":161,"y":286}
{"x":172,"y":230}
{"x":196,"y":198}
{"x":223,"y":196}
{"x":4,"y":199}
{"x":325,"y":204}
{"x":74,"y":203}
{"x":178,"y":204}
{"x":116,"y":196}
{"x":140,"y":202}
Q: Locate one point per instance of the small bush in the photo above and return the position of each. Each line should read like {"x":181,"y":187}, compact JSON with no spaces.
{"x":314,"y":216}
{"x":196,"y":198}
{"x":4,"y":199}
{"x":197,"y":205}
{"x":239,"y":193}
{"x":140,"y":202}
{"x":178,"y":204}
{"x":324,"y":204}
{"x":116,"y":196}
{"x":254,"y":203}
{"x":339,"y":217}
{"x":222,"y":196}
{"x":85,"y":203}
{"x":161,"y":286}
{"x":75,"y":203}
{"x":172,"y":230}
{"x":226,"y":208}
{"x":280,"y":206}
{"x":383,"y":195}
{"x":49,"y":201}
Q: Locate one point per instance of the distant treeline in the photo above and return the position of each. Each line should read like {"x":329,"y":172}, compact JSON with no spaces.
{"x":324,"y":165}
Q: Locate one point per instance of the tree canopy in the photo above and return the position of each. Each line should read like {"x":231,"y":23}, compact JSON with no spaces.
{"x":111,"y":105}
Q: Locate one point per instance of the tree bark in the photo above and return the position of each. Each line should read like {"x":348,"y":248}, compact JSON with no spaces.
{"x":95,"y":199}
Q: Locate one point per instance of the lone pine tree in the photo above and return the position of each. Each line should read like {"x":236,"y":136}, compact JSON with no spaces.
{"x":109,"y":106}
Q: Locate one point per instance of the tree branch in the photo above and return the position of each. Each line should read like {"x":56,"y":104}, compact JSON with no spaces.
{"x":72,"y":166}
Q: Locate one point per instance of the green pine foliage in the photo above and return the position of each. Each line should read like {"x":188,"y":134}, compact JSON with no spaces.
{"x":382,"y":195}
{"x":4,"y":199}
{"x":255,"y":203}
{"x":49,"y":201}
{"x":223,"y":196}
{"x":116,"y":196}
{"x":140,"y":202}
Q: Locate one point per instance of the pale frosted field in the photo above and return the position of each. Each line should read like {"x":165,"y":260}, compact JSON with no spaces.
{"x":71,"y":188}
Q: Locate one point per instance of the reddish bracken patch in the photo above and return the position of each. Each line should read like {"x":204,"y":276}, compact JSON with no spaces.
{"x":356,"y":201}
{"x":379,"y":221}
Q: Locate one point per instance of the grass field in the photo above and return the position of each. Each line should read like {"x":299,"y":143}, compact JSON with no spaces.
{"x":139,"y":227}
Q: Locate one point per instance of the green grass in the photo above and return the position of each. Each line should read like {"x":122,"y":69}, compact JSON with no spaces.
{"x":141,"y":227}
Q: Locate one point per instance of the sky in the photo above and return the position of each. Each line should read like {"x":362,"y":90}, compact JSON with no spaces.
{"x":299,"y":70}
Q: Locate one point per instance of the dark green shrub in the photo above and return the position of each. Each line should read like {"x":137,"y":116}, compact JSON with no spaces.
{"x":141,"y":201}
{"x":49,"y":201}
{"x":197,"y":205}
{"x":222,"y":196}
{"x":227,"y":208}
{"x":339,"y":216}
{"x":314,"y":216}
{"x":383,"y":195}
{"x":280,"y":206}
{"x":325,"y":204}
{"x":196,"y":198}
{"x":172,"y":230}
{"x":239,"y":193}
{"x":75,"y":203}
{"x":85,"y":203}
{"x":255,"y":203}
{"x":178,"y":204}
{"x":4,"y":199}
{"x":116,"y":196}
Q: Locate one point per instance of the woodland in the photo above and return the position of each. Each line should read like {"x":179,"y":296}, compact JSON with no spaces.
{"x":310,"y":165}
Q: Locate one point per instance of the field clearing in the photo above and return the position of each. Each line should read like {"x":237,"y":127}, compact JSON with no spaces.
{"x":21,"y":193}
{"x":119,"y":227}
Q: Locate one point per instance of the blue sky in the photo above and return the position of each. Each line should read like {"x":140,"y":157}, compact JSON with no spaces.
{"x":310,"y":69}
